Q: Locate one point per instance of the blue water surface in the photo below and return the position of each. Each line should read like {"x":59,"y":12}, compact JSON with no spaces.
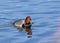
{"x":44,"y":13}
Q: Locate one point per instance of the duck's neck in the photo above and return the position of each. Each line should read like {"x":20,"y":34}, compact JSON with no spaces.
{"x":26,"y":25}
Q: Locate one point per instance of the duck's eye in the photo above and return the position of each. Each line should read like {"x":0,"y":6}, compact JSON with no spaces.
{"x":30,"y":18}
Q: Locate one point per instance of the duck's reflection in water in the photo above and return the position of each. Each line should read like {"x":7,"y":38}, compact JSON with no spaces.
{"x":28,"y":31}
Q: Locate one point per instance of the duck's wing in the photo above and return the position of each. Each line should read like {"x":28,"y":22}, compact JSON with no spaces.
{"x":19,"y":23}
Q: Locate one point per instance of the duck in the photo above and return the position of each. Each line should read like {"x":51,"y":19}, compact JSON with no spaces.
{"x":23,"y":23}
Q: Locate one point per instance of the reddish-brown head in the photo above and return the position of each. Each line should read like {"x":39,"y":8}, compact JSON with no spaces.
{"x":28,"y":19}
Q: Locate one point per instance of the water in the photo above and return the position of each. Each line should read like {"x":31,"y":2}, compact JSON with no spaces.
{"x":44,"y":13}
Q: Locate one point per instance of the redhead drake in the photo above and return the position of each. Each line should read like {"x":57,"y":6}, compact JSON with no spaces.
{"x":22,"y":23}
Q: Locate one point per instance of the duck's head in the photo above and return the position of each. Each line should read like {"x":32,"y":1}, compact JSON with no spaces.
{"x":27,"y":20}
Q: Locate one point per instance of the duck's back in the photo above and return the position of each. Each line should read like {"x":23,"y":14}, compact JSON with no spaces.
{"x":19,"y":23}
